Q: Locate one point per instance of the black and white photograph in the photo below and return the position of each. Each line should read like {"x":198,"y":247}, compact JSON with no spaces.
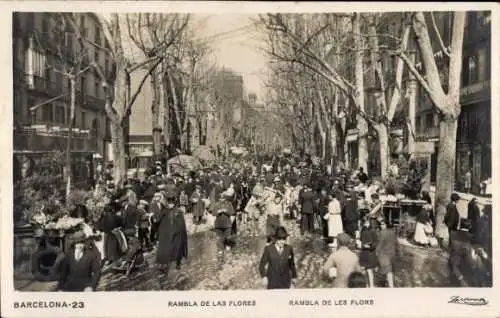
{"x":214,"y":151}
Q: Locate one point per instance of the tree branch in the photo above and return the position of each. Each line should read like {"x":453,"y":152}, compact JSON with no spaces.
{"x":438,"y":35}
{"x":141,"y":84}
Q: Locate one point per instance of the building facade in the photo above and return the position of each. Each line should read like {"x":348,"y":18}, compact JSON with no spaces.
{"x":44,"y":47}
{"x":474,"y":124}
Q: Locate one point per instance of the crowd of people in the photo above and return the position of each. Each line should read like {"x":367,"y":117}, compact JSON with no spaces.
{"x":347,"y":206}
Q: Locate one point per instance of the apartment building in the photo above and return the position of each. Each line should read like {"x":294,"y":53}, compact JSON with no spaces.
{"x":474,"y":128}
{"x":43,"y":45}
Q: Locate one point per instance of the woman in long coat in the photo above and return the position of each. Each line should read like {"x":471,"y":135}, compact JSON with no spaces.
{"x":172,"y":234}
{"x":108,"y":222}
{"x":351,"y":215}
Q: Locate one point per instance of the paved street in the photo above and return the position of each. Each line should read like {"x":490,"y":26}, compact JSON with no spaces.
{"x":417,"y":267}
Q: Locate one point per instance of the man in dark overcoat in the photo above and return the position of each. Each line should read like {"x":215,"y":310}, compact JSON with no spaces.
{"x":172,"y":233}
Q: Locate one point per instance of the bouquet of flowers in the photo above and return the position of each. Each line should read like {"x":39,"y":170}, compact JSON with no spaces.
{"x":67,"y":223}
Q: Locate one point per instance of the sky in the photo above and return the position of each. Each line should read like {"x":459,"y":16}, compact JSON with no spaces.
{"x":236,"y":45}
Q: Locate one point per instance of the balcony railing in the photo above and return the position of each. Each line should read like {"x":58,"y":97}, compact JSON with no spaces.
{"x":94,"y":103}
{"x":427,"y":133}
{"x":40,"y":84}
{"x":44,"y":138}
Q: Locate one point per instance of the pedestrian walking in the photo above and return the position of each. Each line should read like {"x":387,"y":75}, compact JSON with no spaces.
{"x":81,"y":268}
{"x":334,"y":218}
{"x":452,"y":217}
{"x":386,"y":251}
{"x":351,"y":215}
{"x":277,"y":264}
{"x":223,"y":223}
{"x":274,"y":219}
{"x":172,"y":234}
{"x":367,"y":257}
{"x":198,"y":206}
{"x":306,"y":201}
{"x":342,"y":262}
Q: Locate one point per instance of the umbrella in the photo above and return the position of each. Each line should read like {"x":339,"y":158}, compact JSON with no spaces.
{"x":184,"y":162}
{"x":204,"y":153}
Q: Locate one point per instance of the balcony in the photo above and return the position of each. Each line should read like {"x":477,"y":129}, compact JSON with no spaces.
{"x":41,"y":85}
{"x":43,"y":138}
{"x":427,"y":134}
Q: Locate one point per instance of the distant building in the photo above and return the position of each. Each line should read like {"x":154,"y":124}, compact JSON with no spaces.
{"x":41,"y":95}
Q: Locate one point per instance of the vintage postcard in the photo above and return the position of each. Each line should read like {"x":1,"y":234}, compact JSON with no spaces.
{"x":195,"y":159}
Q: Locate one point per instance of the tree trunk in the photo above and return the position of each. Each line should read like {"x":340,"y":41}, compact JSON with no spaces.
{"x":445,"y":171}
{"x":334,"y":145}
{"x":360,"y":97}
{"x":166,"y":112}
{"x":383,"y":139}
{"x":68,"y":170}
{"x":155,"y":112}
{"x":119,"y":157}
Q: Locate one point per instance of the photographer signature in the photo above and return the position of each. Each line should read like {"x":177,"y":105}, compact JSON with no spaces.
{"x":468,"y":301}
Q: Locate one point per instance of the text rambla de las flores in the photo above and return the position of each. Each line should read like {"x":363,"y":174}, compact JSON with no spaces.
{"x":212,"y":303}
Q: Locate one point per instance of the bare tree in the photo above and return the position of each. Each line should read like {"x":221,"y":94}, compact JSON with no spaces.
{"x":445,"y":96}
{"x":119,"y":95}
{"x":154,"y":34}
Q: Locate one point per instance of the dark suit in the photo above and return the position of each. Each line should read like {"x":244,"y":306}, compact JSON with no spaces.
{"x":77,"y":275}
{"x":280,"y":266}
{"x":452,"y":218}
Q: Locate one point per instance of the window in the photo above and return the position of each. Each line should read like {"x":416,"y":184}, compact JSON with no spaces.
{"x":417,"y":125}
{"x":473,"y":70}
{"x":38,"y":64}
{"x":97,"y":35}
{"x":429,"y":120}
{"x":83,"y":84}
{"x":97,"y":89}
{"x":96,"y":56}
{"x":59,"y":115}
{"x":481,"y":64}
{"x":83,"y":121}
{"x":47,"y":113}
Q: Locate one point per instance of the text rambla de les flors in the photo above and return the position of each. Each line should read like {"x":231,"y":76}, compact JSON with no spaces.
{"x":212,"y":303}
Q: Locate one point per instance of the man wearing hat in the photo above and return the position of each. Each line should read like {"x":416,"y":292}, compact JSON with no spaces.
{"x":172,"y":233}
{"x":452,"y":217}
{"x":343,"y":261}
{"x":81,"y":268}
{"x":277,"y":264}
{"x":224,"y":212}
{"x":155,"y":207}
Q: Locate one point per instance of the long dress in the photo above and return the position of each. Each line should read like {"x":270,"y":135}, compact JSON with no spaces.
{"x":334,"y":218}
{"x":423,"y":222}
{"x":367,"y":257}
{"x":108,"y":222}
